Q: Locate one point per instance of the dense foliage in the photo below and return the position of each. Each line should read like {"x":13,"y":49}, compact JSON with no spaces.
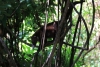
{"x":19,"y":19}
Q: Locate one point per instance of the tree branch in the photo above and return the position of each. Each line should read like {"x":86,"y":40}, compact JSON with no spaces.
{"x":48,"y":60}
{"x":11,"y":60}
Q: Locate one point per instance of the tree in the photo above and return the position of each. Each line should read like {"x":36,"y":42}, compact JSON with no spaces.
{"x":19,"y":17}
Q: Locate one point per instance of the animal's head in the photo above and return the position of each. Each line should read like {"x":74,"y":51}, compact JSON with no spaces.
{"x":34,"y":40}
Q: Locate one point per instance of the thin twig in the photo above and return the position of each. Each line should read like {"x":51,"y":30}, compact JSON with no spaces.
{"x":77,"y":47}
{"x":91,"y":48}
{"x":15,"y":10}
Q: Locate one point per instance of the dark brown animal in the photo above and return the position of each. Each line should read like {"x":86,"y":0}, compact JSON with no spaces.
{"x":51,"y":30}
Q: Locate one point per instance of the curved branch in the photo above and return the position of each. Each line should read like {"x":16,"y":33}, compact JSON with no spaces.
{"x":93,"y":18}
{"x":88,"y":35}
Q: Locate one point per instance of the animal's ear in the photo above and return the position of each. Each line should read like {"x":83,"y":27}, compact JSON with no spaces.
{"x":54,"y":23}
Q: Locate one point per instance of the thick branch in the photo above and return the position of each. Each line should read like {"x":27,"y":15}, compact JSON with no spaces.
{"x":57,"y":35}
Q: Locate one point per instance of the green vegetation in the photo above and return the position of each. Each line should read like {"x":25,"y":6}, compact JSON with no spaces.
{"x":20,"y":19}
